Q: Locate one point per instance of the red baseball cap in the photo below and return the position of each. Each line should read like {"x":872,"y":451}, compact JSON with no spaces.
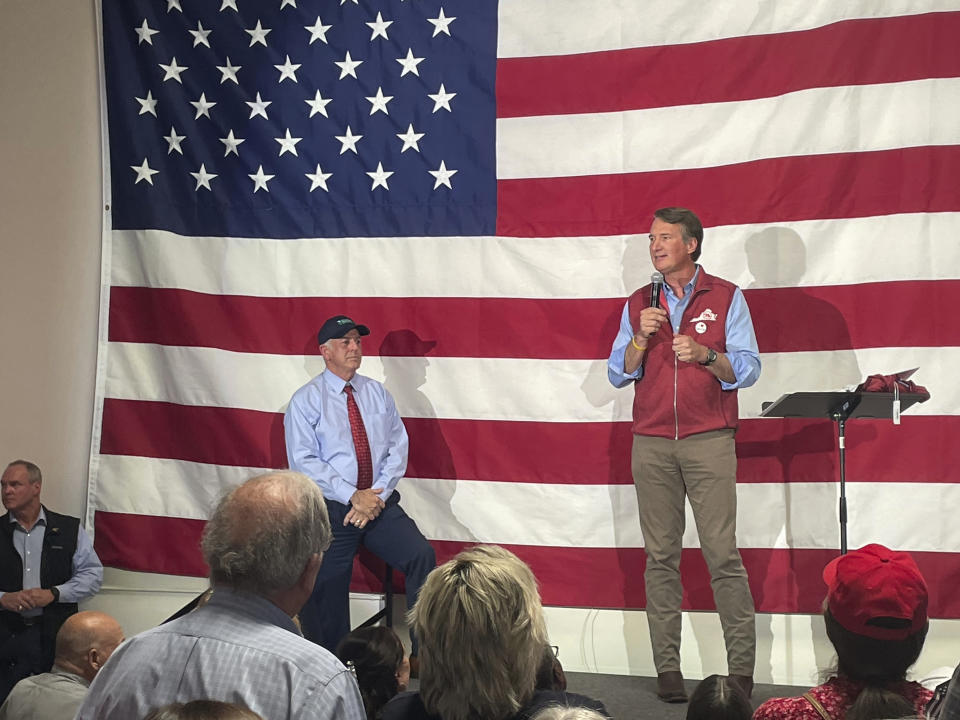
{"x":876,"y":582}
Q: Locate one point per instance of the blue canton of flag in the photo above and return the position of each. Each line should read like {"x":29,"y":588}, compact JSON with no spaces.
{"x":298,"y":118}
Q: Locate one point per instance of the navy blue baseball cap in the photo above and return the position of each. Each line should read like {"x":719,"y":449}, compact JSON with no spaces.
{"x":337,"y":327}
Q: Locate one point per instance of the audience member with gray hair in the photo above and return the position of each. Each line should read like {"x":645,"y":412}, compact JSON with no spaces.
{"x":482,"y":638}
{"x":264,"y":545}
{"x":84,"y":643}
{"x":560,"y":712}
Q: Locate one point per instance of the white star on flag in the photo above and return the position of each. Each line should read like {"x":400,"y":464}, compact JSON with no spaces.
{"x":260,"y":180}
{"x":258,"y":34}
{"x":318,"y":105}
{"x":203,"y":178}
{"x":410,"y":63}
{"x":229,"y":72}
{"x":287,"y":70}
{"x":145,"y":33}
{"x":379,"y":177}
{"x":379,"y":102}
{"x":285,"y":3}
{"x":232,"y":4}
{"x":259,"y":107}
{"x":147,"y":104}
{"x":174,"y":5}
{"x":441,"y":24}
{"x":143,"y":172}
{"x":231,"y":143}
{"x":318,"y":31}
{"x":442,"y":175}
{"x":379,"y":27}
{"x":442,"y":99}
{"x":319,"y":179}
{"x":172,"y":71}
{"x":410,"y":139}
{"x":200,"y":35}
{"x":348,"y":141}
{"x":348,"y":66}
{"x":203,"y":106}
{"x":288,"y":144}
{"x":173,"y":141}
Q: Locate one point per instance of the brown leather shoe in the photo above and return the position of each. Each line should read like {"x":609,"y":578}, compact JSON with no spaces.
{"x":744,"y":682}
{"x":670,"y":687}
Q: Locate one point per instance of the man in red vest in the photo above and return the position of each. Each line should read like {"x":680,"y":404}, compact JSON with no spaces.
{"x":687,"y":344}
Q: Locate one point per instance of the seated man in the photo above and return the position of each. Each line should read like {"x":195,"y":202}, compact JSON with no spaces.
{"x":37,"y":596}
{"x":264,"y":545}
{"x":84,"y":643}
{"x":344,"y":431}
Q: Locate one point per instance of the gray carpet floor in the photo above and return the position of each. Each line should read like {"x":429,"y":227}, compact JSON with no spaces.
{"x":629,"y":697}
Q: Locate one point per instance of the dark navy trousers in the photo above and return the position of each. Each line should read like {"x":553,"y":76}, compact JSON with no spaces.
{"x":393,"y":537}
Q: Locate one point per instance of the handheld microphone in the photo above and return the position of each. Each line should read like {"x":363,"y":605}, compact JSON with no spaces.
{"x":655,"y":288}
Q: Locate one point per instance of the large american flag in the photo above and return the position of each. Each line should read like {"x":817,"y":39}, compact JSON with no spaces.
{"x":474,"y":180}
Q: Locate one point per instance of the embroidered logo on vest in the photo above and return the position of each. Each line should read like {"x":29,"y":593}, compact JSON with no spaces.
{"x":701,"y":326}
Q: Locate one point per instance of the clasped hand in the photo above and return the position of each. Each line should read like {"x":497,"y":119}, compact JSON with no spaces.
{"x":26,"y":599}
{"x":365,"y":507}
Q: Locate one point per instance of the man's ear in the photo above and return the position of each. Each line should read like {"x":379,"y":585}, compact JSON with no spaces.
{"x":94,"y":659}
{"x":308,"y":577}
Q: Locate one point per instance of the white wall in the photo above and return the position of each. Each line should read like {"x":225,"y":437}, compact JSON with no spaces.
{"x":50,"y":210}
{"x":49,"y":239}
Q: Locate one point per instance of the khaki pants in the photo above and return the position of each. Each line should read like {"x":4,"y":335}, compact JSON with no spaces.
{"x":704,"y":468}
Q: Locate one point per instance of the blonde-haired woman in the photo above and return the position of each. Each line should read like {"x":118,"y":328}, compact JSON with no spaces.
{"x":482,"y":633}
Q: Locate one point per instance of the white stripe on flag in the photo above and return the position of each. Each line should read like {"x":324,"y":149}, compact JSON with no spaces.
{"x":804,"y":253}
{"x":615,"y":24}
{"x":774,"y":515}
{"x":540,"y":390}
{"x":807,"y":122}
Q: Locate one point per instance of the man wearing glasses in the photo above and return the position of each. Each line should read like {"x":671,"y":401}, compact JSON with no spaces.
{"x":343,"y":430}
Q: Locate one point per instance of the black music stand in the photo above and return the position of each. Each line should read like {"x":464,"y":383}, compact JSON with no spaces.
{"x":840,"y":407}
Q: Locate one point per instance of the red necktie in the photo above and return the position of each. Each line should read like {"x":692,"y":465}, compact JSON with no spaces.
{"x":360,"y":444}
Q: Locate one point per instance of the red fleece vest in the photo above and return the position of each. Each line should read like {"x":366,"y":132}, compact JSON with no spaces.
{"x":676,"y":399}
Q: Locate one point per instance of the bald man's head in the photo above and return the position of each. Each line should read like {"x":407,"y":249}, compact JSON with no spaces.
{"x":85,"y":641}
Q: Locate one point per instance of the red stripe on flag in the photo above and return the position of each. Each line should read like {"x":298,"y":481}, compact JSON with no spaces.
{"x":485,"y":327}
{"x":218,"y":435}
{"x":921,"y":449}
{"x":855,"y":52}
{"x":782,"y":581}
{"x":150,"y":543}
{"x":844,"y":317}
{"x":841,"y":185}
{"x":832,"y":317}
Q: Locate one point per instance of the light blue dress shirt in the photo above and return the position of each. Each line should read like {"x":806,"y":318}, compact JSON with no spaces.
{"x":742,"y":350}
{"x":86,"y":568}
{"x":319,"y":442}
{"x":238,"y":648}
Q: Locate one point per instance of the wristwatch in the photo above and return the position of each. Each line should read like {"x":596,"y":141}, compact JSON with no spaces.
{"x":55,"y":591}
{"x":711,"y":357}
